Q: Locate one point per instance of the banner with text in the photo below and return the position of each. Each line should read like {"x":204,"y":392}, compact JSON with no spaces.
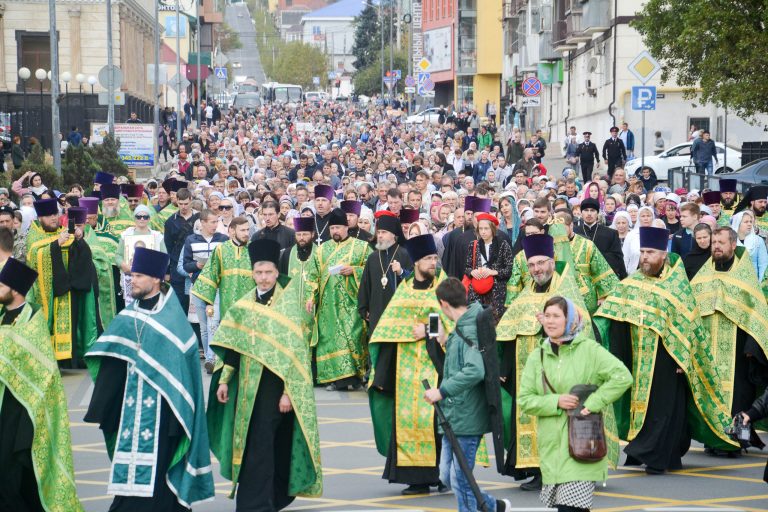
{"x":137,"y":142}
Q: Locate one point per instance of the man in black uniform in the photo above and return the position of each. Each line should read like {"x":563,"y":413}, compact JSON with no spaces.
{"x":605,"y":238}
{"x":273,"y":229}
{"x":384,"y":269}
{"x":588,"y":154}
{"x":614,"y":152}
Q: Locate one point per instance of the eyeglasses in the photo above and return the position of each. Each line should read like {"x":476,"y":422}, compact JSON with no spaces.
{"x":141,"y":217}
{"x":225,"y":207}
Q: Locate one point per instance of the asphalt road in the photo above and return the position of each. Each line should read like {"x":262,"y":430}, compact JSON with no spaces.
{"x":352,"y":471}
{"x":238,"y":17}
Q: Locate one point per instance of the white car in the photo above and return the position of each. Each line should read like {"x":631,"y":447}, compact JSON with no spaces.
{"x":680,"y":156}
{"x":430,"y":115}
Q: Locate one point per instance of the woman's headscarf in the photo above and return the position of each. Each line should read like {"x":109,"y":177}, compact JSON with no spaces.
{"x":736,"y":221}
{"x":636,"y":227}
{"x":622,"y":215}
{"x":697,"y":256}
{"x":514,"y":231}
{"x":600,"y":198}
{"x":573,"y":322}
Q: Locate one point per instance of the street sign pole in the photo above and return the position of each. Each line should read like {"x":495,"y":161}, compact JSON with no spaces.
{"x":55,"y":127}
{"x":110,"y":81}
{"x":178,"y":73}
{"x":642,"y":144}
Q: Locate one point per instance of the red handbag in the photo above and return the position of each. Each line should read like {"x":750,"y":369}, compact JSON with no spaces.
{"x":481,"y":286}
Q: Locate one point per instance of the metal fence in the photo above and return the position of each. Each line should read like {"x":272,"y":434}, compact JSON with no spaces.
{"x":683,"y":177}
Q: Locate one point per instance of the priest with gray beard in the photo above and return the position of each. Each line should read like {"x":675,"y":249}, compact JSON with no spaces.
{"x":384,"y":269}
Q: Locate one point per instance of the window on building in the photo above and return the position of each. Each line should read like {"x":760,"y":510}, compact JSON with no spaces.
{"x":288,"y":3}
{"x":34,"y":52}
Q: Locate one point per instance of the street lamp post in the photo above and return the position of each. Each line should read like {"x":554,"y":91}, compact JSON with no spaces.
{"x":41,"y":75}
{"x":24,"y":74}
{"x":66,"y":77}
{"x":92,"y":81}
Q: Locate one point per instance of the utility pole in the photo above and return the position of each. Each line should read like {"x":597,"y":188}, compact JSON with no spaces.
{"x":55,"y":127}
{"x":391,"y":52}
{"x":156,"y":85}
{"x":381,"y":29}
{"x":178,"y":73}
{"x":199,"y":50}
{"x":111,"y":74}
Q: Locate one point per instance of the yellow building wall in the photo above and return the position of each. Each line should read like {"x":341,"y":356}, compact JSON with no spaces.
{"x":487,"y":88}
{"x":490,"y":43}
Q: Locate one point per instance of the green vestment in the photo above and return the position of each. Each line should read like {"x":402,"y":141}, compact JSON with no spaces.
{"x":229,"y":272}
{"x":160,"y":349}
{"x":28,"y":370}
{"x":664,"y":307}
{"x":67,"y":342}
{"x":413,"y":417}
{"x":338,"y":331}
{"x":103,"y":247}
{"x":276,"y":337}
{"x":596,"y":275}
{"x":729,"y":301}
{"x":158,"y":218}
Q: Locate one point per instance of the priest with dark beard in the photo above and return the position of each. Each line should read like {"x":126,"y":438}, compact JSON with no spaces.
{"x":353,"y":209}
{"x":651,"y":322}
{"x":729,"y":199}
{"x":384,"y":269}
{"x":606,"y":239}
{"x":293,"y":261}
{"x":756,"y":200}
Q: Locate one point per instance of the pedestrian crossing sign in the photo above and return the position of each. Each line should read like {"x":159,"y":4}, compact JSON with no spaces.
{"x":221,"y":73}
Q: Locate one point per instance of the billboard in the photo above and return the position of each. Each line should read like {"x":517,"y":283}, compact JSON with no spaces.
{"x":438,"y":48}
{"x":137,"y":142}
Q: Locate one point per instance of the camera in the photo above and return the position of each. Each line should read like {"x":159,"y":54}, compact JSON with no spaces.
{"x":740,"y":432}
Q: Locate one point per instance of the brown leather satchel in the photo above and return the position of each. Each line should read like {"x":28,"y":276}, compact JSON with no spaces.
{"x":586,"y":434}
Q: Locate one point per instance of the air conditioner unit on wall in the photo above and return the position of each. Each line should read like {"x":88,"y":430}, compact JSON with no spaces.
{"x":591,"y":91}
{"x":595,"y":65}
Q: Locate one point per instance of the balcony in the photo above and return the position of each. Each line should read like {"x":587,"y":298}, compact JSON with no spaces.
{"x":573,"y":32}
{"x":560,"y":43}
{"x":573,"y":7}
{"x":596,"y":17}
{"x":518,"y":5}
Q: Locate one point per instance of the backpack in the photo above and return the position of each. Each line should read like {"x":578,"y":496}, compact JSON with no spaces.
{"x":486,"y":336}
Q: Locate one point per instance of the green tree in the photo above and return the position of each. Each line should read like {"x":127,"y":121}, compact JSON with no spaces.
{"x":106,"y":157}
{"x":78,"y":166}
{"x":298,"y":62}
{"x":368,"y":80}
{"x":366,"y":46}
{"x":715,"y":49}
{"x":228,"y":38}
{"x":38,"y":162}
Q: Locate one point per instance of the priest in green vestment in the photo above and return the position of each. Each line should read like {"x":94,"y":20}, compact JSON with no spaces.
{"x":520,"y":277}
{"x":148,"y":398}
{"x":103,"y":247}
{"x":652,"y":323}
{"x":295,"y":260}
{"x":116,"y":216}
{"x":729,"y":200}
{"x":261,"y":409}
{"x":35,"y":443}
{"x":227,"y":272}
{"x":171,"y":186}
{"x":65,"y":287}
{"x":735,"y":313}
{"x":597,"y":276}
{"x":756,"y":200}
{"x":338,"y":334}
{"x":402,"y":356}
{"x":518,"y":333}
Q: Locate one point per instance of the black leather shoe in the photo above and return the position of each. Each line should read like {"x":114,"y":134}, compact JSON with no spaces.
{"x":653,"y":471}
{"x":534,"y":484}
{"x":441,"y":487}
{"x":412,"y":490}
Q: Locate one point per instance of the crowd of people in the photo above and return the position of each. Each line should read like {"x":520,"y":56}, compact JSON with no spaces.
{"x":332,"y":245}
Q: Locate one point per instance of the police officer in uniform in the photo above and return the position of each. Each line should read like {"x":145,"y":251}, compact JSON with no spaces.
{"x":588,"y":154}
{"x":614,"y":152}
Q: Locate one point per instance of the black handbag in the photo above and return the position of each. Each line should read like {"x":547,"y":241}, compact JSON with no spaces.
{"x":586,"y":434}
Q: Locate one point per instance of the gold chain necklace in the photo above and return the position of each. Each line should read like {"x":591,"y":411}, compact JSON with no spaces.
{"x":384,"y":279}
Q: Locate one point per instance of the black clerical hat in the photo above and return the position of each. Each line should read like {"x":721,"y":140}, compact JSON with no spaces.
{"x":168,"y":185}
{"x":17,"y":276}
{"x":177,"y":185}
{"x":590,"y":202}
{"x":132,"y":190}
{"x":409,"y":215}
{"x":110,"y":191}
{"x":728,"y":185}
{"x":420,"y":246}
{"x":45,"y":207}
{"x":150,"y":262}
{"x":539,"y":245}
{"x":103,"y":178}
{"x":711,"y":197}
{"x":264,"y":250}
{"x":654,"y":238}
{"x":337,"y":218}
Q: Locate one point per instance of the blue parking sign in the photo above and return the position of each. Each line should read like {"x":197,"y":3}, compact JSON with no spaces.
{"x":643,"y":97}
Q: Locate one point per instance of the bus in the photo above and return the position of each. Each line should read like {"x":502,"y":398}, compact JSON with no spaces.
{"x":282,"y":93}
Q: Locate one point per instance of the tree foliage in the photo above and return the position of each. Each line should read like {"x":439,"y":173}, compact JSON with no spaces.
{"x":368,"y":80}
{"x":37,"y":161}
{"x":229,"y":39}
{"x":367,"y":45}
{"x":78,"y":166}
{"x":715,"y":49}
{"x":105,"y":156}
{"x":298,"y":62}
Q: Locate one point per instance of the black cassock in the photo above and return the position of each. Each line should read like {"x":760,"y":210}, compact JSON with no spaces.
{"x":664,"y":437}
{"x":607,"y":242}
{"x":18,"y":486}
{"x":322,"y":229}
{"x":372,"y":295}
{"x":385,"y":381}
{"x":360,"y":234}
{"x":105,"y":409}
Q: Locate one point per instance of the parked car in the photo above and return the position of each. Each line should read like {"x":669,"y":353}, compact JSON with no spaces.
{"x":680,"y":156}
{"x":248,"y":100}
{"x":430,"y":115}
{"x":316,"y":96}
{"x":755,"y":172}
